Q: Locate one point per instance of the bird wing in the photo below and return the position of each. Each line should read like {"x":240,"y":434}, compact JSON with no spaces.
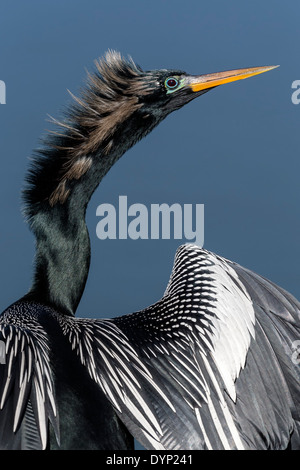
{"x":209,"y":366}
{"x":27,"y":400}
{"x":276,"y":355}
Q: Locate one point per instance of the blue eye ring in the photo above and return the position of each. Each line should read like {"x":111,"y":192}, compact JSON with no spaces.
{"x":171,"y":83}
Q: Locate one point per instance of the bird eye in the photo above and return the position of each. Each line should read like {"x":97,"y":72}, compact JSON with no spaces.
{"x":171,"y":83}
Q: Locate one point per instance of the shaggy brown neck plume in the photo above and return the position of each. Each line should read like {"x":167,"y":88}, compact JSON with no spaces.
{"x":104,"y":122}
{"x":120,"y":105}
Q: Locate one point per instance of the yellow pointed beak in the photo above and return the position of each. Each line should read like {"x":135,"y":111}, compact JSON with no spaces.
{"x":202,"y":82}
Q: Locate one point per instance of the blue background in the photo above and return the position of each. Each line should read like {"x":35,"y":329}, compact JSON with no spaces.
{"x":236,"y":149}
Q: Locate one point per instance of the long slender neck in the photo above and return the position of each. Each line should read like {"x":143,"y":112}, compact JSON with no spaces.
{"x":58,"y":198}
{"x":108,"y":119}
{"x":62,"y":258}
{"x":62,"y":239}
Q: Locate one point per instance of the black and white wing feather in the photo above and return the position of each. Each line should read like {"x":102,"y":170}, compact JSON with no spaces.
{"x":27,"y":401}
{"x":209,"y":366}
{"x":115,"y":365}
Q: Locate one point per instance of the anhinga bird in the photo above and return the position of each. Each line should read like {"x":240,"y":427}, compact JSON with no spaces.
{"x":212,"y":365}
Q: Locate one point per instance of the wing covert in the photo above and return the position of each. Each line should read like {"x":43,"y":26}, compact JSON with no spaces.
{"x":204,"y":367}
{"x":27,"y":400}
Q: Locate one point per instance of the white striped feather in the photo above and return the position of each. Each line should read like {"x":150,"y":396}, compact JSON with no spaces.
{"x":111,"y":360}
{"x":205,"y":313}
{"x":27,"y":361}
{"x":233,"y":324}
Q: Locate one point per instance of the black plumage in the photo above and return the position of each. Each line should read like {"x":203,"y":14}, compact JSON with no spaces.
{"x":211,"y":365}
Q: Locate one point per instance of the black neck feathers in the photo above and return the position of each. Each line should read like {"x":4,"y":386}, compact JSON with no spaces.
{"x":106,"y":121}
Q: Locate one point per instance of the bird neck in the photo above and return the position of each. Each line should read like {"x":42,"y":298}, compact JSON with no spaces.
{"x":113,"y":113}
{"x":62,"y":259}
{"x":56,"y":205}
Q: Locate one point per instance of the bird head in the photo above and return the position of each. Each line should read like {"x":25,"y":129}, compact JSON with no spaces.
{"x":172,"y":89}
{"x":122,"y":97}
{"x":119,"y":106}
